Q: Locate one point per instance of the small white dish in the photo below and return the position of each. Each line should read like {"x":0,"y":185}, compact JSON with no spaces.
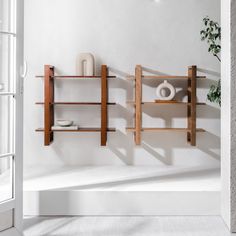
{"x":64,"y":123}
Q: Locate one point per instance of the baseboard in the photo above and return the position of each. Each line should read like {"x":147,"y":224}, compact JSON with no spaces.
{"x":121,"y":203}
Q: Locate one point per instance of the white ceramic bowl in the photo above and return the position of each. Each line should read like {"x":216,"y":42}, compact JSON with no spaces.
{"x":64,"y":123}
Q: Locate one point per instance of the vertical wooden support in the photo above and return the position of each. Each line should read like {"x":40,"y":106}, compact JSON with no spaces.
{"x":138,"y":104}
{"x":48,"y":104}
{"x":104,"y":100}
{"x":189,"y":104}
{"x":192,"y":75}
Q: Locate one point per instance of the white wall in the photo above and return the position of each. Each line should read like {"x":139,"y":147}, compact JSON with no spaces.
{"x":226,"y":105}
{"x":228,"y":152}
{"x":161,"y":35}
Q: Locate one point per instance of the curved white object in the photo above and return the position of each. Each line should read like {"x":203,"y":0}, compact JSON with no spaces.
{"x":1,"y":86}
{"x":24,"y":69}
{"x":64,"y":122}
{"x":85,"y":64}
{"x":161,"y":87}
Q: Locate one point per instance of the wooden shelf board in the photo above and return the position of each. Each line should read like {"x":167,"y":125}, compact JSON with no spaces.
{"x":76,"y":103}
{"x":164,"y":77}
{"x":166,"y":103}
{"x":75,"y":77}
{"x":79,"y":130}
{"x":165,"y":129}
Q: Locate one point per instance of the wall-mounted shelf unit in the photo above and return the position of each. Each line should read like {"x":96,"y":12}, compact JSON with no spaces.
{"x":49,"y":104}
{"x":191,"y":104}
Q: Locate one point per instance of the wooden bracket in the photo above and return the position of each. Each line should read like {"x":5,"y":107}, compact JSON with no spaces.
{"x":191,"y":110}
{"x":48,"y":101}
{"x":104,"y":100}
{"x":138,"y":104}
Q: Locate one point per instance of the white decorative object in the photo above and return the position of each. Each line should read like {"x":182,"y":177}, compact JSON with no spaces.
{"x":1,"y":86}
{"x":64,"y":123}
{"x":85,"y":64}
{"x":162,"y":95}
{"x":73,"y":127}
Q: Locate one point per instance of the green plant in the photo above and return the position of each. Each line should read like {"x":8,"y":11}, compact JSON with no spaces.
{"x":214,"y":94}
{"x":212,"y":35}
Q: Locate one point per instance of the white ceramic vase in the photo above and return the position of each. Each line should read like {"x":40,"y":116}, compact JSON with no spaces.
{"x":85,"y":64}
{"x":160,"y":91}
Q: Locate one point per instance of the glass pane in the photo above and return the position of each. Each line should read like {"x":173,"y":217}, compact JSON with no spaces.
{"x":5,"y":21}
{"x":6,"y":124}
{"x":6,"y":178}
{"x":6,"y":62}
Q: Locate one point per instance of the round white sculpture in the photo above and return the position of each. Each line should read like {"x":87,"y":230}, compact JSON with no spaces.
{"x":85,"y":64}
{"x":64,"y":123}
{"x":165,"y":86}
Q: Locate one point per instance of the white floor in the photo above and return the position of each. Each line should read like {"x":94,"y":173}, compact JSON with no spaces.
{"x":122,"y":226}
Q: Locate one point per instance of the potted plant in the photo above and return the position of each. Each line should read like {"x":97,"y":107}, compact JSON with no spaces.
{"x":212,"y":35}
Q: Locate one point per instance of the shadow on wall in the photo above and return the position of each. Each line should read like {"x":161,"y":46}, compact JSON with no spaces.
{"x":157,"y":176}
{"x":159,"y":145}
{"x":206,"y":143}
{"x":122,"y":146}
{"x":122,"y":83}
{"x":167,"y":114}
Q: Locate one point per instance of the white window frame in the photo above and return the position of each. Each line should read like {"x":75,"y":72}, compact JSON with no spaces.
{"x":16,"y":203}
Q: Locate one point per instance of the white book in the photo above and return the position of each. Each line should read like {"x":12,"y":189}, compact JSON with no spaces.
{"x":73,"y":127}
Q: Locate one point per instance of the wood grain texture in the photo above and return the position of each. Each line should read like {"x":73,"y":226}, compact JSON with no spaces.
{"x":104,"y":99}
{"x":48,"y":99}
{"x":170,"y":77}
{"x":77,"y":103}
{"x":189,"y":104}
{"x":193,"y":105}
{"x":85,"y":129}
{"x":164,"y":129}
{"x":164,"y":77}
{"x":167,"y":103}
{"x":191,"y":110}
{"x":138,"y":104}
{"x":75,"y":77}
